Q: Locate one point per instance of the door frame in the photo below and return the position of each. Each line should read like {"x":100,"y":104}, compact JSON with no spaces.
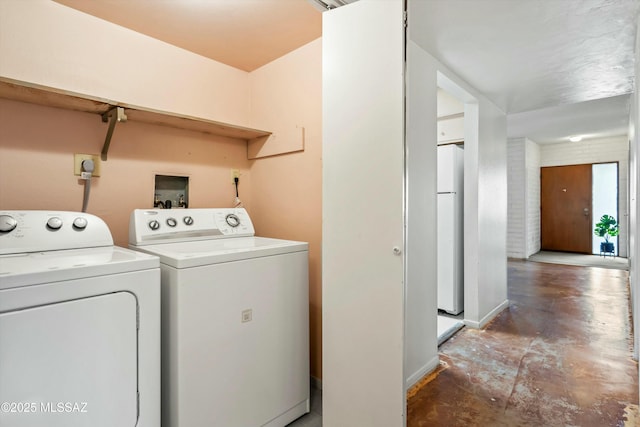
{"x":617,"y":213}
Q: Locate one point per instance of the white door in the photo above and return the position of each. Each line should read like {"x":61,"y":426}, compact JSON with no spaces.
{"x":70,"y":364}
{"x":363,"y":218}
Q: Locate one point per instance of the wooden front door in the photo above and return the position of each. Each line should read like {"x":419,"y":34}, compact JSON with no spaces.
{"x":565,"y":208}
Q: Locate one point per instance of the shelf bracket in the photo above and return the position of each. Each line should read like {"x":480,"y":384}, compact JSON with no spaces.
{"x":114,"y":115}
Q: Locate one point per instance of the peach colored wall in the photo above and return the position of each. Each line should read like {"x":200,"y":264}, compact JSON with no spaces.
{"x":46,"y":43}
{"x":36,"y":164}
{"x":287,"y":189}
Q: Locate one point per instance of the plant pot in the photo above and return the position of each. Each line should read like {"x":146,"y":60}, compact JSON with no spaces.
{"x":607,"y":247}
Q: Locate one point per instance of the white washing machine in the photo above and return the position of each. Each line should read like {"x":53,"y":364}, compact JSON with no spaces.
{"x":79,"y":325}
{"x":235,"y":318}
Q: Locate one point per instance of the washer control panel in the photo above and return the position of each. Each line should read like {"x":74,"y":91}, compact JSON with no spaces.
{"x":150,"y":226}
{"x":40,"y":231}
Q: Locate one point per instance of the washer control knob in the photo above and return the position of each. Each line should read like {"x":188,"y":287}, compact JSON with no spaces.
{"x":233,"y":220}
{"x":171,"y":222}
{"x":54,"y":223}
{"x":7,"y":223}
{"x":80,"y":223}
{"x":187,"y":220}
{"x":154,"y":225}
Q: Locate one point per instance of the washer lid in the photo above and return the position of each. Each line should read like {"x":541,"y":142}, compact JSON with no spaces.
{"x":206,"y":252}
{"x":54,"y":266}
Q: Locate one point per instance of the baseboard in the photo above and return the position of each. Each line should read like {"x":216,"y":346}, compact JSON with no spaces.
{"x":316,"y":383}
{"x":488,"y":318}
{"x":420,"y":373}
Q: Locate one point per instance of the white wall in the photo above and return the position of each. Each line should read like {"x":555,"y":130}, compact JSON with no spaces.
{"x":532,"y":190}
{"x":614,"y":149}
{"x":487,"y":242}
{"x":421,"y":308}
{"x":363,"y":215}
{"x":485,"y":181}
{"x":523,"y":234}
{"x":634,"y":255}
{"x":485,"y":202}
{"x":516,"y":210}
{"x":634,"y":177}
{"x":485,"y":209}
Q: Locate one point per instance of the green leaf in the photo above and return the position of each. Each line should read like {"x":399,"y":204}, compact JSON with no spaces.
{"x":607,"y":227}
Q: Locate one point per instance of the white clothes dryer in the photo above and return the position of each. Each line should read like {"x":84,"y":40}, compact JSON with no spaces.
{"x":235,"y":318}
{"x":79,"y":325}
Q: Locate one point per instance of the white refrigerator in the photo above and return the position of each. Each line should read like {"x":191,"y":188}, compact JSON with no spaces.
{"x":450,"y":228}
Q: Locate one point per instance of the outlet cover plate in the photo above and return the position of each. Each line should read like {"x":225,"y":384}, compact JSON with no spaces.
{"x":79,"y":158}
{"x":235,"y":173}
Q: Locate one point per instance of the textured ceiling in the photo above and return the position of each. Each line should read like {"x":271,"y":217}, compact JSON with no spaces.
{"x":598,"y":118}
{"x":524,"y":55}
{"x":530,"y":54}
{"x":558,"y":67}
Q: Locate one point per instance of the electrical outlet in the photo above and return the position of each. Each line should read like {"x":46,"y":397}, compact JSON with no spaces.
{"x":79,"y":158}
{"x":235,"y":173}
{"x":247,"y":315}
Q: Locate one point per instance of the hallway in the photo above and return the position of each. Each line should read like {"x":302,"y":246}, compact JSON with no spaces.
{"x":559,"y":355}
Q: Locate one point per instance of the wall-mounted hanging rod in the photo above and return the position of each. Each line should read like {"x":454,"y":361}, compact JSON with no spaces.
{"x":114,"y":115}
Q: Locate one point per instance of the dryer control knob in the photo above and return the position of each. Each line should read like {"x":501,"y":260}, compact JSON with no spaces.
{"x":80,"y":223}
{"x":154,"y":225}
{"x":171,"y":222}
{"x":54,"y":223}
{"x":187,"y":220}
{"x":7,"y":223}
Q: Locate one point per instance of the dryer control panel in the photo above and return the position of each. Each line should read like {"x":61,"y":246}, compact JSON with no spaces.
{"x":40,"y":231}
{"x":152,"y":226}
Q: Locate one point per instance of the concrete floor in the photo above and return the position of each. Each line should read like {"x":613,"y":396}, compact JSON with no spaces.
{"x":560,"y":355}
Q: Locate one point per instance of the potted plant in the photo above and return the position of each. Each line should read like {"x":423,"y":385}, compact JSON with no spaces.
{"x":607,"y":227}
